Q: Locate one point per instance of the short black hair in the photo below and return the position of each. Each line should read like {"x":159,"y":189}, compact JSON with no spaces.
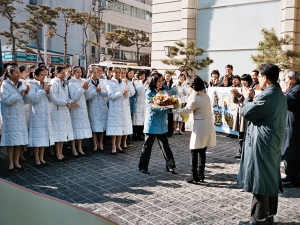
{"x":37,"y":71}
{"x":215,"y":72}
{"x":237,"y":77}
{"x":247,"y":77}
{"x":153,"y":80}
{"x":256,"y":71}
{"x":197,"y":83}
{"x":229,"y":66}
{"x":271,"y":71}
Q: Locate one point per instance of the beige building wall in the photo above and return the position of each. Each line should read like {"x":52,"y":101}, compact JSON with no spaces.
{"x":228,"y":30}
{"x":172,"y":20}
{"x":290,"y":22}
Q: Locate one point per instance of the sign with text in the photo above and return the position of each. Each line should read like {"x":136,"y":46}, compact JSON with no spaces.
{"x":223,"y":109}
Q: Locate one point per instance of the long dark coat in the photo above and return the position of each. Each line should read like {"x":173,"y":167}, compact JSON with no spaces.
{"x":260,"y":161}
{"x":291,"y":147}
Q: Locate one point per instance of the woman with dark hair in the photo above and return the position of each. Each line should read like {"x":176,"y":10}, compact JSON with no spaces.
{"x":24,"y":72}
{"x":240,"y":123}
{"x":156,"y":126}
{"x":14,"y":130}
{"x":126,"y":76}
{"x":117,"y":126}
{"x":40,"y":126}
{"x":61,"y":119}
{"x":138,"y":115}
{"x":182,"y":94}
{"x":97,"y":108}
{"x":79,"y":116}
{"x":168,"y":83}
{"x":214,"y":81}
{"x":200,"y":105}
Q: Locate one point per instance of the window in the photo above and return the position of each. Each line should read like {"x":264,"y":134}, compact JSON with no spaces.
{"x":127,"y":55}
{"x":111,"y":27}
{"x":93,"y":51}
{"x":32,"y":2}
{"x":133,"y":11}
{"x":127,"y":9}
{"x":140,"y":13}
{"x":148,"y":15}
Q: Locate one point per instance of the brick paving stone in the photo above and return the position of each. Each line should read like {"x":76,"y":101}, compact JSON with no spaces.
{"x":113,"y":187}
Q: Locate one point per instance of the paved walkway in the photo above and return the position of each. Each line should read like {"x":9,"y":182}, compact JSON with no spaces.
{"x":112,"y":186}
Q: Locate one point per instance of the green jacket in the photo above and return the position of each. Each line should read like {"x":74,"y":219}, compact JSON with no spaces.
{"x":260,"y":161}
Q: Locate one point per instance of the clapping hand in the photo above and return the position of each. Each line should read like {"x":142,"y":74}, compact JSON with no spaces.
{"x":98,"y":89}
{"x":234,"y":91}
{"x":85,"y":85}
{"x":248,"y":92}
{"x":75,"y":105}
{"x":125,"y":91}
{"x":47,"y":88}
{"x":27,"y":89}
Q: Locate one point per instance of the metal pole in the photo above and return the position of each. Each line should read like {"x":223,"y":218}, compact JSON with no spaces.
{"x":45,"y":38}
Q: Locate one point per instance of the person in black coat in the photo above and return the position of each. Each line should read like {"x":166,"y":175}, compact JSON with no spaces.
{"x":226,"y":80}
{"x":291,"y":148}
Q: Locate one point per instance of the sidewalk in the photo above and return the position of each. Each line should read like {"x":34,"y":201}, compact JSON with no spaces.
{"x":113,"y":187}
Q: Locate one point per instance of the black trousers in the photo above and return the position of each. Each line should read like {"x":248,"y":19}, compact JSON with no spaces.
{"x":241,"y":141}
{"x":194,"y":157}
{"x":170,"y":124}
{"x":292,"y":171}
{"x":164,"y":147}
{"x":263,"y":207}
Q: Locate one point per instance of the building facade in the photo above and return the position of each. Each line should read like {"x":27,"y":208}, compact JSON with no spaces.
{"x":120,"y":14}
{"x":228,"y":30}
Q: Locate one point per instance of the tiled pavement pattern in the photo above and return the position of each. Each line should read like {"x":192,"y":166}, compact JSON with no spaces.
{"x":113,"y":187}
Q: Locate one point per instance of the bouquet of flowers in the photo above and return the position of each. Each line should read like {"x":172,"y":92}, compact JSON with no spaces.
{"x":185,"y":117}
{"x":163,"y":100}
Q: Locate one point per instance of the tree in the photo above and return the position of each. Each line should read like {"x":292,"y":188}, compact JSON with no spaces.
{"x":140,"y":39}
{"x":87,"y":21}
{"x":116,"y":39}
{"x":9,"y":11}
{"x":96,"y":25}
{"x":271,"y":51}
{"x":40,"y":15}
{"x":188,"y":60}
{"x":69,"y":17}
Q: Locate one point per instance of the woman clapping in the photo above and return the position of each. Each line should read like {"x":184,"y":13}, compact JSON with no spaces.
{"x":97,"y":107}
{"x":61,"y":120}
{"x":14,"y":130}
{"x":79,"y":116}
{"x":40,"y":126}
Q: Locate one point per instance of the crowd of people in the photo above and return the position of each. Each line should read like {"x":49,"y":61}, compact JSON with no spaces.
{"x":47,"y":107}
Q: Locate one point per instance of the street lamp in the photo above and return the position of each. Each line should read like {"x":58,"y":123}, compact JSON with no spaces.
{"x":167,"y":50}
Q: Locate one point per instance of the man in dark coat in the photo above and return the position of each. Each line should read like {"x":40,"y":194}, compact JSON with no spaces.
{"x":291,"y":148}
{"x":226,"y":81}
{"x":259,"y":171}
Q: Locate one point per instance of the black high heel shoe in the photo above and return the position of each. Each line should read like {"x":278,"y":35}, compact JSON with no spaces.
{"x":201,"y":177}
{"x":170,"y":170}
{"x":191,"y":179}
{"x":120,"y":150}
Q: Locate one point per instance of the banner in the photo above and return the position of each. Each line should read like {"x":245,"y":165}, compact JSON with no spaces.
{"x":223,"y":109}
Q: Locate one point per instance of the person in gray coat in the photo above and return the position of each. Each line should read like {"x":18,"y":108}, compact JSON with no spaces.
{"x":259,"y":171}
{"x":291,"y":149}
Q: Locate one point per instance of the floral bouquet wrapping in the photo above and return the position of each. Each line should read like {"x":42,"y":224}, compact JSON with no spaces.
{"x":163,"y":100}
{"x":185,"y":117}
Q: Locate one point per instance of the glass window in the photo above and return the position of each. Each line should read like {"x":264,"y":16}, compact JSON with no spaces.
{"x":115,"y":6}
{"x":32,"y":2}
{"x":140,"y":13}
{"x":127,"y":55}
{"x":93,"y":51}
{"x":127,"y":9}
{"x":103,"y":50}
{"x":133,"y":11}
